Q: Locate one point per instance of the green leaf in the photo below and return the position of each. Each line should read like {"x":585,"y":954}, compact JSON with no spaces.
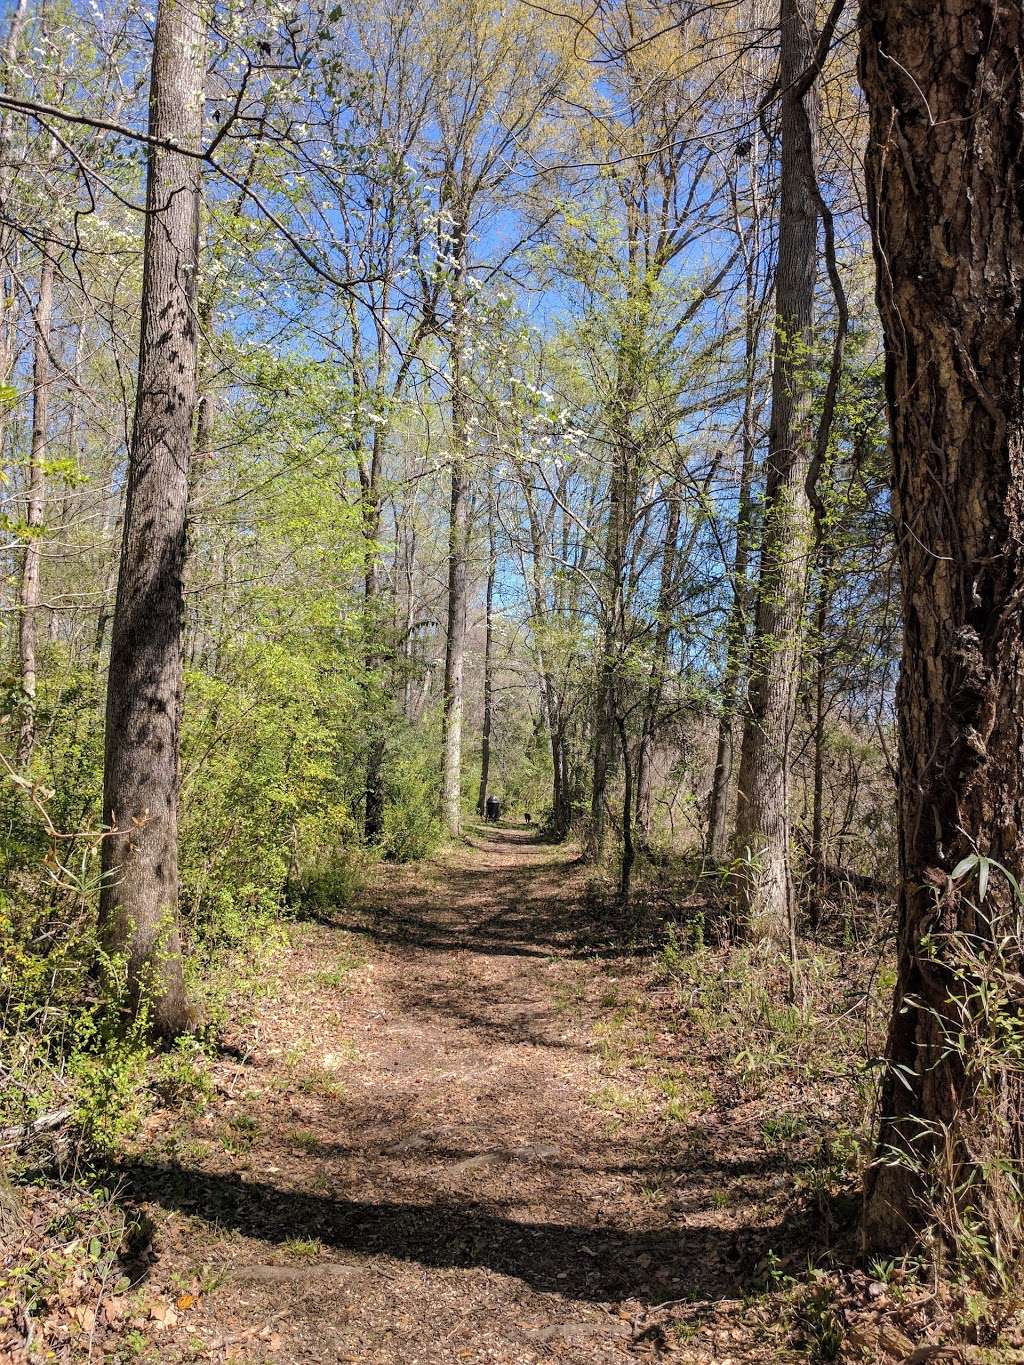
{"x":984,"y":867}
{"x":964,"y":866}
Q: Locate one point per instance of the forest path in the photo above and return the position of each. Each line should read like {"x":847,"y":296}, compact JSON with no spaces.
{"x":418,"y":1157}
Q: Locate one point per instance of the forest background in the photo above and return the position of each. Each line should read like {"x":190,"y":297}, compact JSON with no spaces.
{"x":538,"y":446}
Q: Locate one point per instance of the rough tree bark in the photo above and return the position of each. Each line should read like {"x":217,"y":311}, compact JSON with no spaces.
{"x":945,"y":171}
{"x":762,"y":823}
{"x":35,"y":504}
{"x":139,"y":899}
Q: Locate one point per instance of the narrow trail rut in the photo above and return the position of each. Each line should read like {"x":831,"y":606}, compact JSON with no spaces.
{"x":411,"y":1160}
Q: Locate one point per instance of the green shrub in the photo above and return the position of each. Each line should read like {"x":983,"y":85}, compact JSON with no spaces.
{"x":412,"y":826}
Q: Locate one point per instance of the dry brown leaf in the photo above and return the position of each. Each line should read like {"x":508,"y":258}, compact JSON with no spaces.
{"x":85,"y":1316}
{"x":113,"y":1309}
{"x":163,"y":1314}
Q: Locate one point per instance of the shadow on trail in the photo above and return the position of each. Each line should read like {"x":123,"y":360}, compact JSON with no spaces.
{"x":456,"y":913}
{"x":538,"y":1027}
{"x":597,"y":1264}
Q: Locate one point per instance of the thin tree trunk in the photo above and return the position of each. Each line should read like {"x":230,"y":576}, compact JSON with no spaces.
{"x":603,"y":740}
{"x":736,"y":631}
{"x":455,"y":643}
{"x":945,"y":173}
{"x":765,"y":892}
{"x":628,"y":843}
{"x":563,"y":774}
{"x":18,"y":16}
{"x":659,"y":666}
{"x":9,"y":302}
{"x":373,"y":818}
{"x":492,"y":568}
{"x":821,"y":607}
{"x":561,"y":795}
{"x":737,"y":628}
{"x":621,"y":411}
{"x":605,"y":702}
{"x":9,"y":294}
{"x":374,"y":814}
{"x":409,"y":556}
{"x":35,"y":505}
{"x":559,"y":822}
{"x":458,"y":526}
{"x":196,"y":628}
{"x":76,"y":452}
{"x":113,"y":514}
{"x":721,"y":781}
{"x":139,"y":898}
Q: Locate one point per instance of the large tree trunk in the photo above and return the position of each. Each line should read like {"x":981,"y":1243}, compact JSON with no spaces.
{"x":139,"y":899}
{"x":458,"y":529}
{"x":35,"y":503}
{"x":946,"y":182}
{"x":762,"y":825}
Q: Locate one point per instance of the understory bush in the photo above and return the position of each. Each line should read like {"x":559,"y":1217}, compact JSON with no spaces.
{"x":412,"y":826}
{"x":272,"y":778}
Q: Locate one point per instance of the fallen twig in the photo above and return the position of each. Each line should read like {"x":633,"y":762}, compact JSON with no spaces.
{"x":10,"y":1137}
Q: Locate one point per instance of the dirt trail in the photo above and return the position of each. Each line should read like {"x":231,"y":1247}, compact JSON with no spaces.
{"x":414,"y":1160}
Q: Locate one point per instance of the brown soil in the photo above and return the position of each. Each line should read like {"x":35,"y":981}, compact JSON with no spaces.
{"x":427,"y":1151}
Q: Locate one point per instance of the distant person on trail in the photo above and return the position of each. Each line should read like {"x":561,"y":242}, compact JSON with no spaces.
{"x":492,"y":809}
{"x":527,"y":817}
